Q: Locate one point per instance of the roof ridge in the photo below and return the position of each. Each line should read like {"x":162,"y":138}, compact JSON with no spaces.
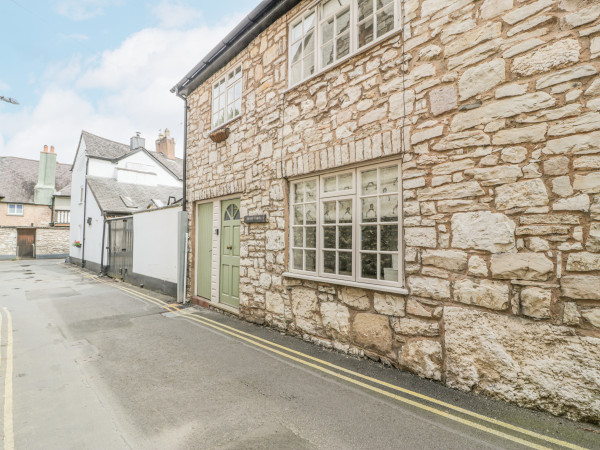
{"x":103,"y":138}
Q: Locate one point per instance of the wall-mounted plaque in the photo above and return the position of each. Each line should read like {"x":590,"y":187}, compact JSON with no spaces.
{"x":257,"y":218}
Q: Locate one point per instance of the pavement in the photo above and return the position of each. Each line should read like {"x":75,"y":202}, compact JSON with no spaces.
{"x":91,"y":363}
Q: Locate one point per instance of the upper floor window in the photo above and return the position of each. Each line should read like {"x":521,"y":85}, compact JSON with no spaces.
{"x":15,"y":210}
{"x":344,"y":27}
{"x":346,"y":225}
{"x":302,"y":47}
{"x":227,"y":97}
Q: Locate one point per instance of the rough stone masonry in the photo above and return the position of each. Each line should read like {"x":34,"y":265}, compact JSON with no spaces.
{"x":494,"y":106}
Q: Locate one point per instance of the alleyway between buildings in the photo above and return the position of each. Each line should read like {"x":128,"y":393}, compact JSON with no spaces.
{"x":91,"y":363}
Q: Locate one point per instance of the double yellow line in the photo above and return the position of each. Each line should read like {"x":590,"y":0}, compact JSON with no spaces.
{"x":325,"y":367}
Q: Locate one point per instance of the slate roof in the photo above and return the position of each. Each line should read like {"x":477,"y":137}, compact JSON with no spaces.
{"x":113,"y":195}
{"x":18,"y":177}
{"x":99,"y":147}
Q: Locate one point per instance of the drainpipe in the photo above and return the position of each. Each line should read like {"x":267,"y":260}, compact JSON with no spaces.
{"x":87,"y":163}
{"x":185,"y":118}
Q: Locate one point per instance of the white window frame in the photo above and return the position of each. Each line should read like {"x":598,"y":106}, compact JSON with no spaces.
{"x":354,"y":49}
{"x":229,"y":82}
{"x":355,"y":194}
{"x":301,"y":41}
{"x":16,"y":207}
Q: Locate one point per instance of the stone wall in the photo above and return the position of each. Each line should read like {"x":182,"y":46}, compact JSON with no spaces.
{"x":8,"y":242}
{"x":493,"y":106}
{"x":52,"y":241}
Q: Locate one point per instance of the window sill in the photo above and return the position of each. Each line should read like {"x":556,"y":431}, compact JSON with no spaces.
{"x":371,"y":287}
{"x":225,"y":124}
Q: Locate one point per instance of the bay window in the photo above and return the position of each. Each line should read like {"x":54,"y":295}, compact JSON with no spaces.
{"x":346,"y":225}
{"x":344,"y":27}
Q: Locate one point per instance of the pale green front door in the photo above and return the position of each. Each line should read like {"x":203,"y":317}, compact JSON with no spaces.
{"x":204,"y":255}
{"x":230,"y":253}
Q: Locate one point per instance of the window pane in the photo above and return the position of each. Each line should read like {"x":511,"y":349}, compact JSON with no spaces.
{"x":298,"y":237}
{"x":329,"y":212}
{"x":385,"y":20}
{"x":389,"y":179}
{"x":343,"y":46}
{"x":388,"y":272}
{"x":345,"y":182}
{"x":329,"y":262}
{"x":238,"y":91}
{"x":309,"y":22}
{"x":369,"y":237}
{"x":311,"y":260}
{"x":365,"y":32}
{"x":389,"y":238}
{"x":345,"y":263}
{"x":311,"y":237}
{"x":311,"y":214}
{"x":329,"y":184}
{"x":329,"y":7}
{"x":345,"y":236}
{"x":310,"y":188}
{"x":297,"y":31}
{"x":327,"y":54}
{"x":298,"y":215}
{"x":237,"y":108}
{"x":380,"y":3}
{"x":342,"y":22}
{"x":389,"y":208}
{"x":309,"y":65}
{"x":230,"y":112}
{"x":296,"y":52}
{"x":296,"y":73}
{"x":345,"y":211}
{"x":309,"y":43}
{"x":297,"y":259}
{"x":327,"y":31}
{"x":365,"y":8}
{"x":368,"y":263}
{"x":299,"y":192}
{"x":369,"y":209}
{"x":329,"y":237}
{"x":369,"y":182}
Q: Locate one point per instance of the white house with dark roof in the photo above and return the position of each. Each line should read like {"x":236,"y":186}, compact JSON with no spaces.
{"x":110,"y":180}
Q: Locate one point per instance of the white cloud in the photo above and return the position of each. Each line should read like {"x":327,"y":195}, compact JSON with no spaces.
{"x":126,"y":89}
{"x":83,"y":9}
{"x":176,"y":13}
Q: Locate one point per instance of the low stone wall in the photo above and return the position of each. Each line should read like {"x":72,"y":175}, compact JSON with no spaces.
{"x":52,"y":242}
{"x":492,"y":107}
{"x":8,"y":243}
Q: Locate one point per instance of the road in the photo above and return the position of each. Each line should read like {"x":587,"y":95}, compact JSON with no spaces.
{"x":90,"y":363}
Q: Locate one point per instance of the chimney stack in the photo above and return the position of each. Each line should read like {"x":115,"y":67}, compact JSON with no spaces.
{"x":166,"y":145}
{"x":137,"y":141}
{"x":46,"y":185}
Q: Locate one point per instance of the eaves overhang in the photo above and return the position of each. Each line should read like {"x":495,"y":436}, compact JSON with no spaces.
{"x":264,"y":15}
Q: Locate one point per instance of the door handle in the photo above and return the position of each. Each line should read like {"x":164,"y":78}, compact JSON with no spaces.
{"x":229,"y":247}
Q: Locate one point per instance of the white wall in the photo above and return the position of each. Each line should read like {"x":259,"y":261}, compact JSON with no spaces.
{"x":93,"y":231}
{"x":155,"y":243}
{"x":62,"y":203}
{"x":101,"y":168}
{"x":77,"y":183}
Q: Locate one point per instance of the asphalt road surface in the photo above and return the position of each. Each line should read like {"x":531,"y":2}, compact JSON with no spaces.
{"x":90,"y":363}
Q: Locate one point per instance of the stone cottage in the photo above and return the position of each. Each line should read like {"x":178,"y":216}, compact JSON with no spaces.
{"x":415,"y":181}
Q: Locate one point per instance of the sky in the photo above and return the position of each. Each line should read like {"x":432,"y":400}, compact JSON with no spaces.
{"x":104,"y":66}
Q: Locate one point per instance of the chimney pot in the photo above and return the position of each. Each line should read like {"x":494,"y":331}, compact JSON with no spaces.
{"x":52,"y":149}
{"x":45,"y":149}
